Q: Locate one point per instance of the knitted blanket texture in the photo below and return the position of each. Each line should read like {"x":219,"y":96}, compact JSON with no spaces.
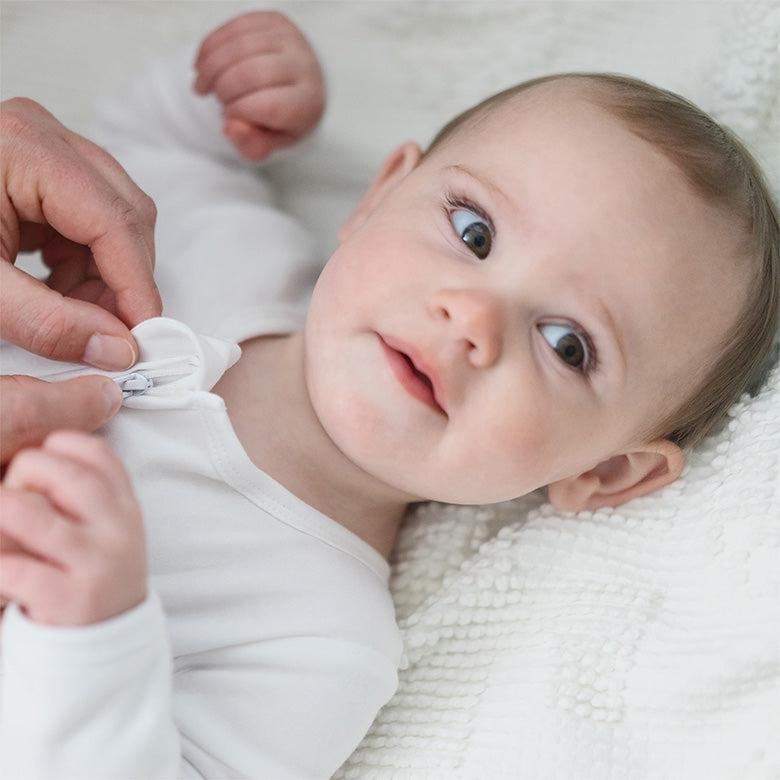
{"x":640,"y":642}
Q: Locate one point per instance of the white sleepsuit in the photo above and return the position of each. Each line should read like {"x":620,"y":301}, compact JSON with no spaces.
{"x":268,"y":643}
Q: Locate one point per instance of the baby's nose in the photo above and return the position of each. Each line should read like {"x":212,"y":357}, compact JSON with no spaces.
{"x":475,"y":318}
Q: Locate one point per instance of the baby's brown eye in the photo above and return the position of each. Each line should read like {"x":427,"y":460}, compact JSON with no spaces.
{"x":570,"y":350}
{"x":477,"y":236}
{"x":473,"y":230}
{"x":569,"y":347}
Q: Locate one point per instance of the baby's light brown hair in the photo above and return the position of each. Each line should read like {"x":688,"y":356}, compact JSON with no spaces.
{"x":725,"y":175}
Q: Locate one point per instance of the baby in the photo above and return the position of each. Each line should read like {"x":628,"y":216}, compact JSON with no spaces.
{"x":568,"y":288}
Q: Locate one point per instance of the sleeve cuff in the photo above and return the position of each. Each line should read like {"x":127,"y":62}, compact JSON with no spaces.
{"x":27,"y":642}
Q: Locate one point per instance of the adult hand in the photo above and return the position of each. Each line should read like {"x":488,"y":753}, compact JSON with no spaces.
{"x":67,"y":197}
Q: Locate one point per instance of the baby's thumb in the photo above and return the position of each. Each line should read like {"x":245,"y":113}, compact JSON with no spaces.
{"x":253,"y":142}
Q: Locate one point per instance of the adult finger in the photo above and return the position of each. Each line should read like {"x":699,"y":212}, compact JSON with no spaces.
{"x":32,"y":408}
{"x":55,"y":326}
{"x":55,"y":177}
{"x":142,"y":207}
{"x":118,"y":229}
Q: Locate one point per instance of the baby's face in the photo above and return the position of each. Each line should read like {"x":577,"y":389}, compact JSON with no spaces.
{"x":521,"y":306}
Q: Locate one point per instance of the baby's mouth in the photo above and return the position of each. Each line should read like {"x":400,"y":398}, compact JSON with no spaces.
{"x":415,"y":381}
{"x":419,"y":374}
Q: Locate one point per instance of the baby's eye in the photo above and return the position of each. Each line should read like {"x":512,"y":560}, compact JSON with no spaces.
{"x":473,"y":230}
{"x":570,"y":347}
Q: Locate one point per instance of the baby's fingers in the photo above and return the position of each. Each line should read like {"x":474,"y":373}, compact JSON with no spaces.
{"x":27,"y":580}
{"x":254,"y":31}
{"x":77,"y":473}
{"x":287,"y":109}
{"x":254,"y":74}
{"x":32,"y":522}
{"x":217,"y":60}
{"x":91,"y":452}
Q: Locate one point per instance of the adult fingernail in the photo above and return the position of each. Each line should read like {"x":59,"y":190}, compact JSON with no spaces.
{"x":111,"y":353}
{"x":112,"y":396}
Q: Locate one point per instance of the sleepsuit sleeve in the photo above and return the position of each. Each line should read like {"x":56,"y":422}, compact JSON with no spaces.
{"x":78,"y":702}
{"x":230,"y":263}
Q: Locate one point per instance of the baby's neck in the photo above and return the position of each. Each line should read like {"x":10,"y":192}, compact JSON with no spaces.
{"x":266,"y":398}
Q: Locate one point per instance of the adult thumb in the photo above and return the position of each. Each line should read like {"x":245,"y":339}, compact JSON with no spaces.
{"x":32,"y":408}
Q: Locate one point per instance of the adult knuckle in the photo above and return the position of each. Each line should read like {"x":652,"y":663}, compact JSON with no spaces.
{"x":12,"y":122}
{"x":123,"y":213}
{"x":270,"y":17}
{"x":137,"y":218}
{"x":137,"y":206}
{"x":15,"y":115}
{"x":147,"y":209}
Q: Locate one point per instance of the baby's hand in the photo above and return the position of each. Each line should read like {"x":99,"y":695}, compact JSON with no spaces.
{"x":268,"y":79}
{"x":79,"y":555}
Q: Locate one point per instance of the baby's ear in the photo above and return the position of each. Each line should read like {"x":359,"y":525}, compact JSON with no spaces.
{"x":620,"y":478}
{"x":395,"y":167}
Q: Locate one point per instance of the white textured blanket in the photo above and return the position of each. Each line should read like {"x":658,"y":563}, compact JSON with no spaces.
{"x":637,"y":643}
{"x":641,"y":642}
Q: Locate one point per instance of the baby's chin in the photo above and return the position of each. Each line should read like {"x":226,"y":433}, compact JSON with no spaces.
{"x":468,"y":493}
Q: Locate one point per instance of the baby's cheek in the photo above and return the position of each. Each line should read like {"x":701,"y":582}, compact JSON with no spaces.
{"x":543,"y":448}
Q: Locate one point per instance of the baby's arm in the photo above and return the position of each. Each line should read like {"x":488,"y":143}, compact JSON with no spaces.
{"x":268,"y":79}
{"x":226,"y":254}
{"x":86,"y":679}
{"x":79,"y":555}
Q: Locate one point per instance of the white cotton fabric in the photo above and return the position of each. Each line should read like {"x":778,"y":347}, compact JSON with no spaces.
{"x":268,"y":642}
{"x":640,"y":643}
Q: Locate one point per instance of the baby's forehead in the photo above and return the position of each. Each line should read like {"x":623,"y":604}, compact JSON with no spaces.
{"x":570,"y":110}
{"x":557,"y":98}
{"x":553,"y":120}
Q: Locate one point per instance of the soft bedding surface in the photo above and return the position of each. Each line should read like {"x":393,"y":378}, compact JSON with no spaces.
{"x":642,"y":642}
